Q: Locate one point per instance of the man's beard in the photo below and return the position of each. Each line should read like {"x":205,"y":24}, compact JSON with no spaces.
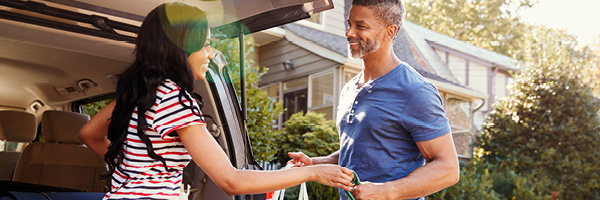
{"x":365,"y":48}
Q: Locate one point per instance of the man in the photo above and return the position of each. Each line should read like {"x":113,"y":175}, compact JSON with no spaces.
{"x":390,"y":119}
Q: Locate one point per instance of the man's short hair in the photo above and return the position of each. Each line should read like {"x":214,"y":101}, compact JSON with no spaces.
{"x":389,"y":12}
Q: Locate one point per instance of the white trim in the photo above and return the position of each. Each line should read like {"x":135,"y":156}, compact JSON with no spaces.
{"x":457,"y":90}
{"x":315,"y":48}
{"x":482,"y":61}
{"x":275,"y":31}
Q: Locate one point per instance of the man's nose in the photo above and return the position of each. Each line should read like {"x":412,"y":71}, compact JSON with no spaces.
{"x":350,"y":33}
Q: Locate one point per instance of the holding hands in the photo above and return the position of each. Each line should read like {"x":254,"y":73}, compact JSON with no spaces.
{"x":326,"y":174}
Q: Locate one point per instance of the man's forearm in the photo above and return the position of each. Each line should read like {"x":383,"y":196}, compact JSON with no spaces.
{"x":426,"y":180}
{"x":330,"y":159}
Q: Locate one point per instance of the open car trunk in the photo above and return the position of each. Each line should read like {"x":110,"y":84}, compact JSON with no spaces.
{"x":111,"y":26}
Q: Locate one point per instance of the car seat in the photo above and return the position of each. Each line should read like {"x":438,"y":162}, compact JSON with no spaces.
{"x":15,"y":126}
{"x":61,"y":160}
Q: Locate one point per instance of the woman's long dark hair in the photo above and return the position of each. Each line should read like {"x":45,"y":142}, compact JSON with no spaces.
{"x":168,"y":35}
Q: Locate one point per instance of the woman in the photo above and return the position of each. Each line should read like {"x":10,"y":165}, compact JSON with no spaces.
{"x":150,"y":132}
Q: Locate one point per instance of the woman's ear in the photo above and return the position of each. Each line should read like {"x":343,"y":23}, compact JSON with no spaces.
{"x":390,"y":32}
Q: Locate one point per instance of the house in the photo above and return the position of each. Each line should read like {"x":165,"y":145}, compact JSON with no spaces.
{"x":482,"y":70}
{"x":309,"y":64}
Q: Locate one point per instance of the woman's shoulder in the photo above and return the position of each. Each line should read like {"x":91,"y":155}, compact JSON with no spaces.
{"x":167,"y":87}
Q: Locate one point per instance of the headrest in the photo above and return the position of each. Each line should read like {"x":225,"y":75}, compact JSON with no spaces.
{"x":62,"y":126}
{"x":17,"y":126}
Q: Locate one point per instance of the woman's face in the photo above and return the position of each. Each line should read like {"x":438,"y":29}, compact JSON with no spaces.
{"x":199,"y":60}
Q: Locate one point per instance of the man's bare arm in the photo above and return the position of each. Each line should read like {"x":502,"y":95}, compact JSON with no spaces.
{"x":299,"y":159}
{"x":441,"y":171}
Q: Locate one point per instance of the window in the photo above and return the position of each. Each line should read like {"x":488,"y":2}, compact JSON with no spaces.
{"x":12,"y":146}
{"x":321,"y":93}
{"x":295,"y":84}
{"x":272,"y":91}
{"x":91,"y":106}
{"x":294,"y":102}
{"x":348,"y":75}
{"x":458,"y":112}
{"x":315,"y":18}
{"x":295,"y":95}
{"x":315,"y":21}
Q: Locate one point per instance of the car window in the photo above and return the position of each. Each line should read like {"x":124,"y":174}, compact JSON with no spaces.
{"x":92,"y":108}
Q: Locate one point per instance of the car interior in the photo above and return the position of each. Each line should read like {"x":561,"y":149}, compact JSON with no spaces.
{"x":59,"y":55}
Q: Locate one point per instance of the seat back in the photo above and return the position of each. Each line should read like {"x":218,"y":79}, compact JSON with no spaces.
{"x":62,"y":160}
{"x":15,"y":126}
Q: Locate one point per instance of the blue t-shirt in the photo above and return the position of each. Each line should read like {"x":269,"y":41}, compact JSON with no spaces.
{"x":380,"y":123}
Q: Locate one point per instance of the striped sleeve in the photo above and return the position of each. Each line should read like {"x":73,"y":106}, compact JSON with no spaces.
{"x":170,"y":113}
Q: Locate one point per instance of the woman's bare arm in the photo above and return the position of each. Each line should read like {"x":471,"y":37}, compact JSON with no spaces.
{"x":93,"y":133}
{"x":210,"y":157}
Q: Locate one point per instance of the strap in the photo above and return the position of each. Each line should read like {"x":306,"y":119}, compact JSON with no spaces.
{"x":356,"y":181}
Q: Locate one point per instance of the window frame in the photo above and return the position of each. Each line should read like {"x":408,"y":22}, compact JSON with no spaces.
{"x":76,"y":105}
{"x":469,"y":130}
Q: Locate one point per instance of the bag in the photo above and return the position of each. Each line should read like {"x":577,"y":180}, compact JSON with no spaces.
{"x":280,"y":194}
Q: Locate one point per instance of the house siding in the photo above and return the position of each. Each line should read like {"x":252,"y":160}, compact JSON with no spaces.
{"x":335,"y":20}
{"x":273,"y":55}
{"x":458,"y":68}
{"x":501,"y":83}
{"x":478,"y":79}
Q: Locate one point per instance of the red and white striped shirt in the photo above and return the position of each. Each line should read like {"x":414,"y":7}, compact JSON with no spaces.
{"x":148,"y":177}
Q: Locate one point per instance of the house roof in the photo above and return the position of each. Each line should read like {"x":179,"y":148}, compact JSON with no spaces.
{"x":339,"y":45}
{"x":424,"y":39}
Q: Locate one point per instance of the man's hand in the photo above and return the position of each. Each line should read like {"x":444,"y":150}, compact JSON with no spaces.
{"x":368,"y":191}
{"x":299,"y":159}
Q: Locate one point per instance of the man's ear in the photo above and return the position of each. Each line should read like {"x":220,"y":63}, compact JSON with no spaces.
{"x":390,"y":32}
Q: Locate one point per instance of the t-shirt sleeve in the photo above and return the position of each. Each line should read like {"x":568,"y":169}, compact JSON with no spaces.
{"x":424,"y":117}
{"x":171,"y":114}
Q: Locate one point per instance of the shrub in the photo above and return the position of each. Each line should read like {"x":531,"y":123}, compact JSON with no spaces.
{"x":313,"y":135}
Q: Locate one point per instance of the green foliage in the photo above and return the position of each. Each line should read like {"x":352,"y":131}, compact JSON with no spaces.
{"x":475,"y":183}
{"x":485,"y":181}
{"x":262,"y":111}
{"x":92,"y":108}
{"x":488,"y":24}
{"x":313,"y":135}
{"x":548,"y":126}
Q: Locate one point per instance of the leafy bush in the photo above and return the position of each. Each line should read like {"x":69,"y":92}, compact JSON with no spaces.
{"x":313,"y":135}
{"x":548,"y":125}
{"x":485,"y":181}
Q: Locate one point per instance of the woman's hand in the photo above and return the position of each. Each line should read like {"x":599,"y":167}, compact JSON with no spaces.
{"x":333,"y":175}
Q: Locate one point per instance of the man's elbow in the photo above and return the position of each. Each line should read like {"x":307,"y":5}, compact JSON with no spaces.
{"x":453,"y":174}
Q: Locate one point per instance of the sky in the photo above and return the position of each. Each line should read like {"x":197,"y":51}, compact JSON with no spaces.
{"x":580,"y":17}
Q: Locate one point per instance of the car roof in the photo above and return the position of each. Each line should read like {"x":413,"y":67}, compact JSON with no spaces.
{"x":41,"y":63}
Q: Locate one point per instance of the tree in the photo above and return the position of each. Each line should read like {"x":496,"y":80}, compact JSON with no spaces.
{"x":489,"y":24}
{"x":548,"y":126}
{"x":262,"y":111}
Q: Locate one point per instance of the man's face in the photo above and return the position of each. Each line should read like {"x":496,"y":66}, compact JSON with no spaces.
{"x":365,"y":32}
